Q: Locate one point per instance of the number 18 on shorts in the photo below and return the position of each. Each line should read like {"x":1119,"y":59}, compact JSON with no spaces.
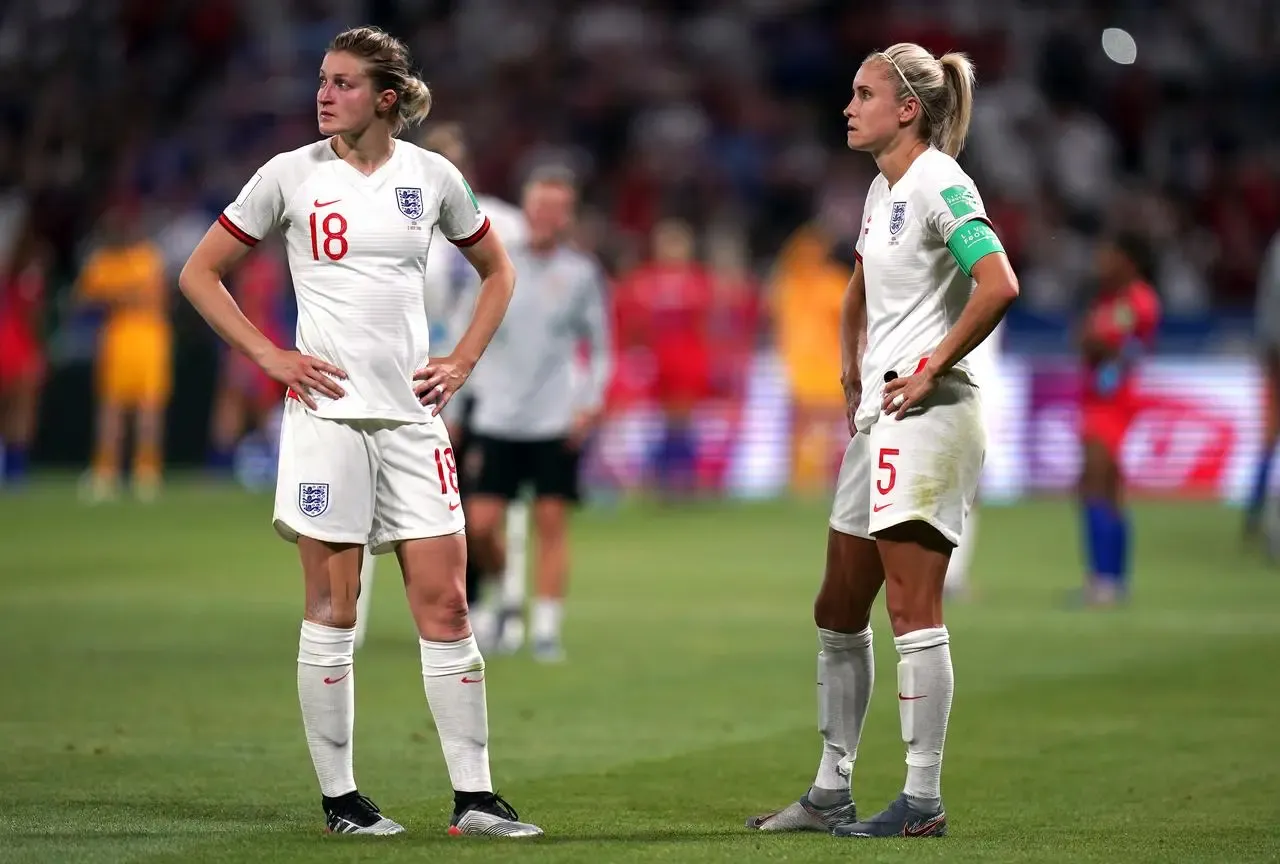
{"x":923,"y":467}
{"x":365,"y":481}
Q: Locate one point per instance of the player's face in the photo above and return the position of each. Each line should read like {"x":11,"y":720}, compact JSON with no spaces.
{"x":548,"y":208}
{"x":874,"y":113}
{"x":345,"y":99}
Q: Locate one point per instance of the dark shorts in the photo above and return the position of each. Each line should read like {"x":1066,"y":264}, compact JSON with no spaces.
{"x":504,"y":468}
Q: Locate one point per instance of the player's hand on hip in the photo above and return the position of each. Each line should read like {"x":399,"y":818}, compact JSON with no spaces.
{"x":903,"y":394}
{"x":438,"y":381}
{"x":304,"y":375}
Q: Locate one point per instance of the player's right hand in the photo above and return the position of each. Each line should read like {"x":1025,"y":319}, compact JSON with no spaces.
{"x":304,"y":374}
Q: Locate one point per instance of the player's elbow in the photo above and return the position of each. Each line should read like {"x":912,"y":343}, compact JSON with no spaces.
{"x":997,"y":280}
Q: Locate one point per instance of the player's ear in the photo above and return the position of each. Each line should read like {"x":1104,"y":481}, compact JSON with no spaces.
{"x":386,"y":101}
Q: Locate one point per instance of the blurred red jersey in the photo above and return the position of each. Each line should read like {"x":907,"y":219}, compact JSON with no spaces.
{"x":258,"y":286}
{"x":1125,"y":323}
{"x":667,"y":308}
{"x":21,"y":302}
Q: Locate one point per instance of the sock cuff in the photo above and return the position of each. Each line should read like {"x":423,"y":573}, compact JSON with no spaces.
{"x":831,"y":640}
{"x":920,"y":640}
{"x":441,"y":659}
{"x":321,"y":645}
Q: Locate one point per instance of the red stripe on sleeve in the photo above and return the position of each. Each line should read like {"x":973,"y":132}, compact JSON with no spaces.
{"x":236,"y":232}
{"x":474,"y":238}
{"x":858,"y":255}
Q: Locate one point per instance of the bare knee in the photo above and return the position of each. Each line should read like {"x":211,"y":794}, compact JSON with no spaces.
{"x":850,"y":584}
{"x":434,"y":572}
{"x":915,"y":556}
{"x":331,"y":572}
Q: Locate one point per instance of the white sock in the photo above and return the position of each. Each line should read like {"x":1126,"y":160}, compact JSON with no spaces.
{"x":846,"y":674}
{"x":327,"y":694}
{"x":365,"y":600}
{"x":513,"y":578}
{"x":925,"y":684}
{"x":453,"y":677}
{"x":962,"y":555}
{"x":547,"y":612}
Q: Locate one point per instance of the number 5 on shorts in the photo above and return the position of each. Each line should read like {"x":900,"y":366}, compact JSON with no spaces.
{"x":885,"y":486}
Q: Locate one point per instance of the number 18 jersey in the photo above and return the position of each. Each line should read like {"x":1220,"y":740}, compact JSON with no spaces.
{"x":357,"y":248}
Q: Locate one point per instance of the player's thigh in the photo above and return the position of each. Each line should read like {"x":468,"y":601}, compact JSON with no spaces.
{"x":331,"y":579}
{"x":435,"y":576}
{"x":915,"y":556}
{"x":926,"y":467}
{"x":851,"y":504}
{"x":850,"y":583}
{"x":554,"y":469}
{"x":324,"y":481}
{"x":416,"y":486}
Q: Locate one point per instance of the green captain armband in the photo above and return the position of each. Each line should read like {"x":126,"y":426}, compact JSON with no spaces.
{"x":970,"y":242}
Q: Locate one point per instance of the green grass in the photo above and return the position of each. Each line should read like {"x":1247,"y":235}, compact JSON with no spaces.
{"x":148,"y":710}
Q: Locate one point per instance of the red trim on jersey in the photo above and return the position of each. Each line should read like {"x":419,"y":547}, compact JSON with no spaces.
{"x":474,"y":238}
{"x":236,"y":231}
{"x":857,"y":255}
{"x":924,"y":361}
{"x":290,"y":393}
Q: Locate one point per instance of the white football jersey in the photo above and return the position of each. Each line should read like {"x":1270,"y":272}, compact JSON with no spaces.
{"x":357,"y":248}
{"x":450,"y":277}
{"x":915,"y":288}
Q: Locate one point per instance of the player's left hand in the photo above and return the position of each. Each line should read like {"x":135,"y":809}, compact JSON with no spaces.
{"x":902,"y":394}
{"x":439,"y":380}
{"x":583,"y":424}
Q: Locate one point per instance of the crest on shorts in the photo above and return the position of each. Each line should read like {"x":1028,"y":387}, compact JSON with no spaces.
{"x":897,"y":216}
{"x":409,"y":199}
{"x":313,"y":498}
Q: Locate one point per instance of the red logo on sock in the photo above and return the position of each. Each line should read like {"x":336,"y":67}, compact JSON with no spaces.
{"x":909,"y":698}
{"x":466,"y":680}
{"x":339,"y":678}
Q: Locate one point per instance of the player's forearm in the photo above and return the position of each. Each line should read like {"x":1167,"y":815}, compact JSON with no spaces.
{"x":205,"y":291}
{"x":987,"y":305}
{"x":853,"y":330}
{"x":491,"y":307}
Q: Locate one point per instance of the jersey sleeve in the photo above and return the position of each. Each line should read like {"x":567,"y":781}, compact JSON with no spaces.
{"x":259,"y":207}
{"x":952,"y":209}
{"x":595,"y":328}
{"x":462,"y":221}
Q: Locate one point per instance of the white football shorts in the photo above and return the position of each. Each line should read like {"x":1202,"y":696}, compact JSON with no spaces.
{"x":365,"y":481}
{"x":924,"y":467}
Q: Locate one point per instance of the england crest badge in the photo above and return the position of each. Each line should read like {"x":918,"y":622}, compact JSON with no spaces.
{"x":409,"y":199}
{"x":313,"y":498}
{"x":897,"y":217}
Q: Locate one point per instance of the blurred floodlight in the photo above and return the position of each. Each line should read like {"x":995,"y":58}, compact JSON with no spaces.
{"x":1119,"y":46}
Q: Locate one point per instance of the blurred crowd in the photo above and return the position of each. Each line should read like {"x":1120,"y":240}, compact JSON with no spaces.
{"x":720,"y":117}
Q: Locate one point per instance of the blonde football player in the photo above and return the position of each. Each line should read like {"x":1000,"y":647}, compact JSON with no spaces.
{"x":364,"y":457}
{"x":931,"y":283}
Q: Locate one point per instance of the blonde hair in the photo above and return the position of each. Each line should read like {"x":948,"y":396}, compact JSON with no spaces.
{"x":389,"y":66}
{"x":942,"y":85}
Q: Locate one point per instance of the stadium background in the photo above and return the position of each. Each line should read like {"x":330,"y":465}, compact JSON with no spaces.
{"x":148,"y":711}
{"x":727,"y":115}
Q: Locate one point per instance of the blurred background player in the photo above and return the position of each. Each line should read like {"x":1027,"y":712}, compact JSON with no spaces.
{"x":367,"y":461}
{"x":666,"y":305}
{"x":1119,"y":326}
{"x":246,"y":398}
{"x":807,"y":288}
{"x":984,"y":362}
{"x":932,"y":281}
{"x":1266,"y":322}
{"x":22,"y":361}
{"x":450,"y":295}
{"x":124,"y":280}
{"x":530,"y":422}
